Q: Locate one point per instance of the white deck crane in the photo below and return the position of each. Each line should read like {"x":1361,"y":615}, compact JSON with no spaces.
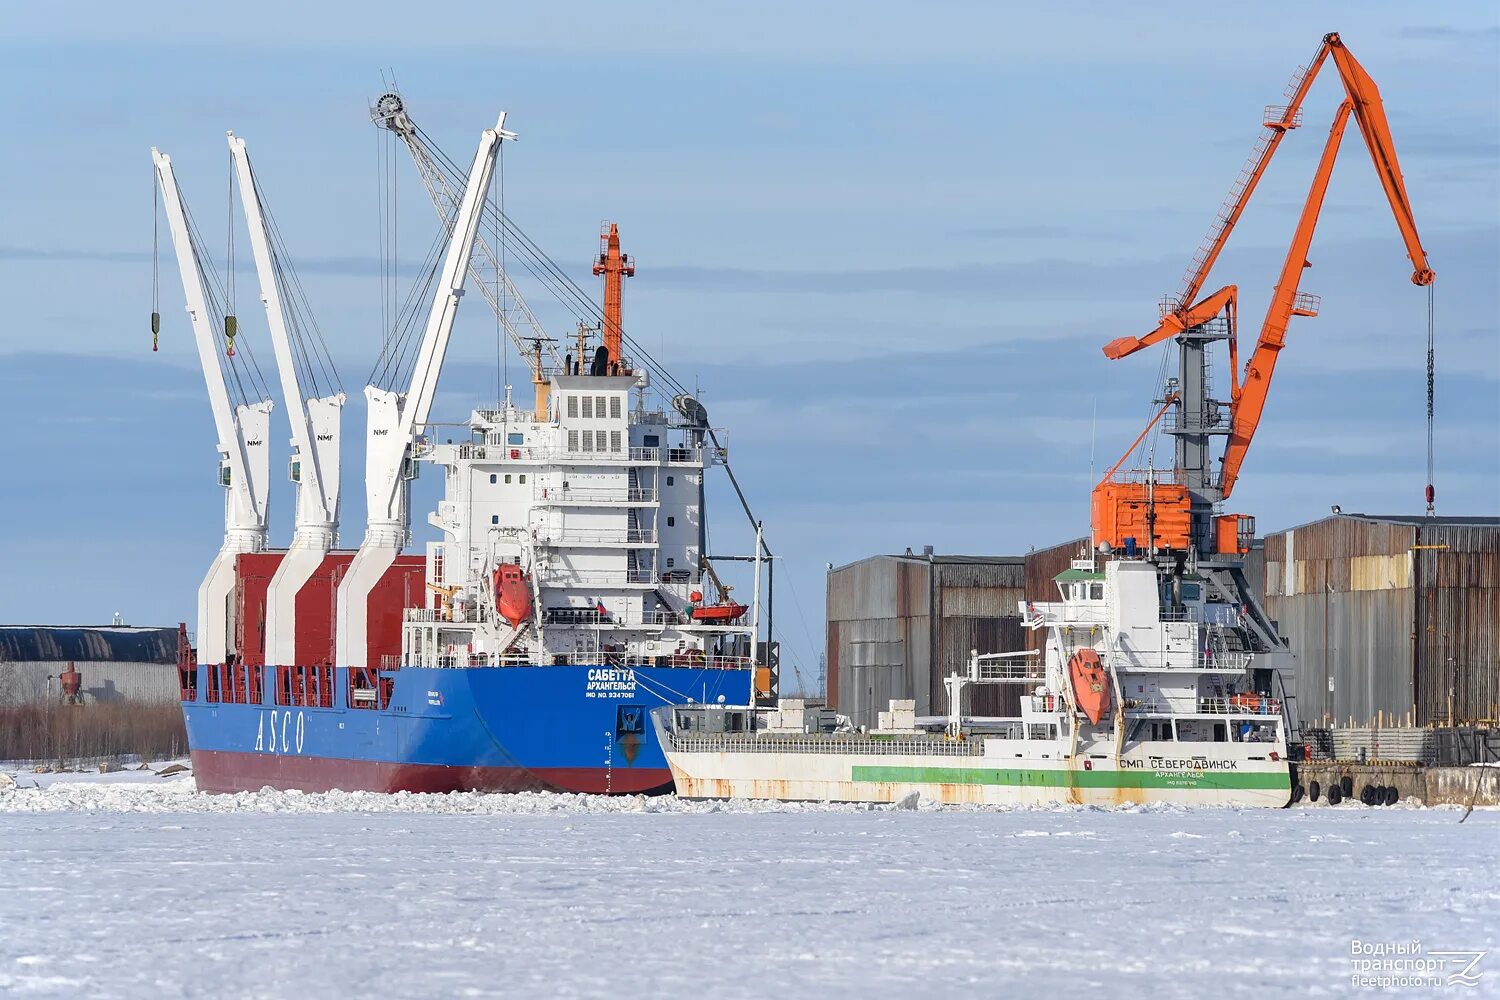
{"x":394,"y":419}
{"x":315,"y":423}
{"x":526,"y":334}
{"x":242,"y":430}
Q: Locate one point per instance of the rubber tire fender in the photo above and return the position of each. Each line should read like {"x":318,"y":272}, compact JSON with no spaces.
{"x":1346,"y":786}
{"x":1335,"y":793}
{"x":1368,"y":795}
{"x":1392,"y":795}
{"x":1313,"y":791}
{"x":1297,"y":792}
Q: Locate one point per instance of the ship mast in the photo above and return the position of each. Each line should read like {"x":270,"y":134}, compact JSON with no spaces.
{"x":315,"y":440}
{"x":394,"y":419}
{"x":616,"y":267}
{"x":242,"y":430}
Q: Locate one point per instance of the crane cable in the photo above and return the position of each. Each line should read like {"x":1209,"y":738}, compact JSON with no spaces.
{"x":231,"y":322}
{"x":1431,"y":378}
{"x":155,"y":263}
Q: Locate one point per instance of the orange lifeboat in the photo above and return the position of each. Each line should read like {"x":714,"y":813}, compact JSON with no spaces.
{"x":723,"y":612}
{"x":512,"y":594}
{"x":1090,"y":685}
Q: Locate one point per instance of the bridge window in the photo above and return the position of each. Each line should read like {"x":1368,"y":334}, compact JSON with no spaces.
{"x":614,"y":407}
{"x":588,"y":407}
{"x":573,"y":406}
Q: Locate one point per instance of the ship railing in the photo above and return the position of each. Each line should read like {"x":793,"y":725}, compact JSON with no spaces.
{"x":691,"y":659}
{"x":1219,"y":659}
{"x":579,"y":457}
{"x":603,"y":579}
{"x":1006,"y":667}
{"x":831,"y":743}
{"x":593,"y":616}
{"x":631,"y":495}
{"x":1065,"y":614}
{"x":620,"y":536}
{"x":472,"y":614}
{"x":1239,"y":705}
{"x":464,"y":660}
{"x":688,"y":658}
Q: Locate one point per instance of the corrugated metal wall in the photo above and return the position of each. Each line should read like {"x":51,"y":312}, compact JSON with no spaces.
{"x":1391,"y":624}
{"x":1458,"y":622}
{"x":881,"y":640}
{"x":1043,"y":565}
{"x":27,"y":681}
{"x":1352,"y":643}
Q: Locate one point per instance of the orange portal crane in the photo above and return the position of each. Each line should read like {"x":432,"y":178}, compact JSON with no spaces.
{"x":1174,"y":510}
{"x":616,"y":267}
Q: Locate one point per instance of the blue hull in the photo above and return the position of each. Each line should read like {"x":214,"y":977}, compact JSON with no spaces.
{"x":560,"y":728}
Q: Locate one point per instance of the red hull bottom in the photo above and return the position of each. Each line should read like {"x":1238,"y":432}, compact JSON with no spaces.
{"x":224,"y":772}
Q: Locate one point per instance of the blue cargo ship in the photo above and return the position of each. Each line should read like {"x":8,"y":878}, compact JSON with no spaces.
{"x":495,"y":729}
{"x":569,"y":589}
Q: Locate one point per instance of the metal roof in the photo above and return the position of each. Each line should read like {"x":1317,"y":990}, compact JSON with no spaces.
{"x":1418,"y":520}
{"x":90,"y":643}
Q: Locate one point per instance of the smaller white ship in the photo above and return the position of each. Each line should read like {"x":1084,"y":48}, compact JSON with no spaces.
{"x":1147,"y":690}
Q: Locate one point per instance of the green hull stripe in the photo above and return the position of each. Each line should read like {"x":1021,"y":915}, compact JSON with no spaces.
{"x":1036,"y":777}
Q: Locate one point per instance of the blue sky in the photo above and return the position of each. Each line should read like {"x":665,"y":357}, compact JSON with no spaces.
{"x":886,"y":241}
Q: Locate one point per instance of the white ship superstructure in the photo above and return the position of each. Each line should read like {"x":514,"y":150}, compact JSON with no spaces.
{"x":599,"y":502}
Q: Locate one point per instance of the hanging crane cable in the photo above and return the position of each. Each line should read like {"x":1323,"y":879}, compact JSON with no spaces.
{"x":1431,"y":379}
{"x":231,"y":322}
{"x":314,"y":360}
{"x":155,"y":263}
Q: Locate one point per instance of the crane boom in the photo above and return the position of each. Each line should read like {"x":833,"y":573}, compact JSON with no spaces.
{"x":315,"y":439}
{"x":520,"y":324}
{"x":1369,"y":112}
{"x":241,"y":430}
{"x":394,"y":418}
{"x":1249,"y":399}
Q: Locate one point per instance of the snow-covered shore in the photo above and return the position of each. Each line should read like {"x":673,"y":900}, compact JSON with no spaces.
{"x":134,"y":885}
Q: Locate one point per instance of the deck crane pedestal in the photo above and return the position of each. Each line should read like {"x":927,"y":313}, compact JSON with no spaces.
{"x":395,"y":419}
{"x":315,"y":423}
{"x":242,"y":431}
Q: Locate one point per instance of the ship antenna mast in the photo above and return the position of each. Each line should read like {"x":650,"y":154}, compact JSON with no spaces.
{"x":615,"y":267}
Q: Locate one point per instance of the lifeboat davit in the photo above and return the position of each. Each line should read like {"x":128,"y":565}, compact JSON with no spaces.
{"x":512,"y":594}
{"x":1090,"y":685}
{"x":725,"y":611}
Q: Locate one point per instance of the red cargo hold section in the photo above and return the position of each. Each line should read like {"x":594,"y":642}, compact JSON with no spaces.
{"x":401,"y":587}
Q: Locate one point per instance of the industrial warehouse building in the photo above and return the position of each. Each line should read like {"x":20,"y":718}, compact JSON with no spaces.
{"x":1393,"y":619}
{"x":117,"y":663}
{"x":899,"y":624}
{"x":1386,"y":615}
